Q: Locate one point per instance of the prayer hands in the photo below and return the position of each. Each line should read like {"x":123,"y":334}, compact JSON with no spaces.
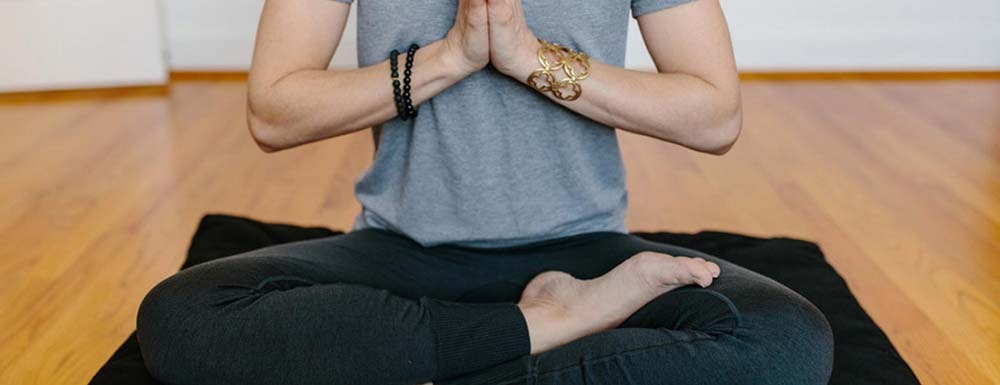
{"x":468,"y":41}
{"x":512,"y":44}
{"x":492,"y":31}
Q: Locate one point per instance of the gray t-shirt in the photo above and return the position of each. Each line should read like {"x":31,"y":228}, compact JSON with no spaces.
{"x":490,"y":162}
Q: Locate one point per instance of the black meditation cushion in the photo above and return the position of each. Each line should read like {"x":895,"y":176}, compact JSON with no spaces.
{"x":863,"y":354}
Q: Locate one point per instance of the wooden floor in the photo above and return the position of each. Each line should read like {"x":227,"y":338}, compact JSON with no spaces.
{"x":897,"y":179}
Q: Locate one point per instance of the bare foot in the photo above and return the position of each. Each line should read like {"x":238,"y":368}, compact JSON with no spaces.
{"x":559,"y":308}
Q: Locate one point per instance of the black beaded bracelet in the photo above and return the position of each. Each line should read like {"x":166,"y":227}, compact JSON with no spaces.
{"x":397,"y":94}
{"x":411,"y":112}
{"x":404,"y":104}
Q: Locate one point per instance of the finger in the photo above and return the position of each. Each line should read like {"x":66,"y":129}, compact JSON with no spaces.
{"x":461,"y":14}
{"x":501,"y":12}
{"x":476,"y":6}
{"x":475,"y":13}
{"x":517,"y":6}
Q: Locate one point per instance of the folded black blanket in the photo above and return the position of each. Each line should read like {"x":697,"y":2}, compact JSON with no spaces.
{"x":863,"y":354}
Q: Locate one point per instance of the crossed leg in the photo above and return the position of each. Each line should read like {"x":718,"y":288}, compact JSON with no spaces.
{"x":371,"y":307}
{"x":742,"y":329}
{"x":360,"y":308}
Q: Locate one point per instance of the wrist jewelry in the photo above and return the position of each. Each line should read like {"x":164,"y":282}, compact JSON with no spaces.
{"x":397,"y":93}
{"x":401,"y":95}
{"x":411,"y":112}
{"x":543,"y":79}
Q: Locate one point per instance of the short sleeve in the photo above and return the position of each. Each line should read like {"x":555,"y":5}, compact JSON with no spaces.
{"x":344,"y":1}
{"x":642,"y":7}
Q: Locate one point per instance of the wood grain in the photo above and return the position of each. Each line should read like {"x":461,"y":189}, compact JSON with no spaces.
{"x":897,"y":178}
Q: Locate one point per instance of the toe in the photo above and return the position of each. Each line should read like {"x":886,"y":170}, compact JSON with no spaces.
{"x":712,"y":267}
{"x":715,"y":269}
{"x":691,"y":271}
{"x":700,"y":271}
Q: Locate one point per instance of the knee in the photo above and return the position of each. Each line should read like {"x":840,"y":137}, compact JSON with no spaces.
{"x":815,"y":342}
{"x":799,"y":336}
{"x":159,"y":329}
{"x":810,"y":326}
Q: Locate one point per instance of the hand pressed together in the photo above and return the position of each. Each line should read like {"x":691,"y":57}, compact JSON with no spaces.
{"x":491,"y":31}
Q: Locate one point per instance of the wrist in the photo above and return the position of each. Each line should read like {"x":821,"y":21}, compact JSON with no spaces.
{"x":525,"y":61}
{"x":452,"y":60}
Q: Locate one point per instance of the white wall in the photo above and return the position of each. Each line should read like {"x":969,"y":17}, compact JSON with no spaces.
{"x":769,"y":35}
{"x":866,"y":34}
{"x":218,"y":34}
{"x":81,"y":43}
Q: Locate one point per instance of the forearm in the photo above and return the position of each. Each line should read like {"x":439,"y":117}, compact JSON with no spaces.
{"x":675,"y":107}
{"x":309,"y":105}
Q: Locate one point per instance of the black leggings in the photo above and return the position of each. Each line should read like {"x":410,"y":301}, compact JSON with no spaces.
{"x":374,"y":307}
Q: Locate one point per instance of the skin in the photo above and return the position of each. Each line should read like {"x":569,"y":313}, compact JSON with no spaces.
{"x":693,"y":100}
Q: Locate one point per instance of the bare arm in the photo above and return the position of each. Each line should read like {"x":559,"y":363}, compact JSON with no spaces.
{"x":294,"y":99}
{"x":692,"y":100}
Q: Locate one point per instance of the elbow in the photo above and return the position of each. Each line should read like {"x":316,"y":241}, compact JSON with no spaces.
{"x":257,"y":128}
{"x":722,"y":136}
{"x":262,"y":132}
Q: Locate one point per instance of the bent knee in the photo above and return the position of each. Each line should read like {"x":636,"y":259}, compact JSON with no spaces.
{"x":808,"y":326}
{"x":162,"y":327}
{"x":812,"y":336}
{"x":796,"y":334}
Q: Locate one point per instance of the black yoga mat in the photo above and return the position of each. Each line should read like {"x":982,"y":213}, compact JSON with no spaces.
{"x":863,"y":354}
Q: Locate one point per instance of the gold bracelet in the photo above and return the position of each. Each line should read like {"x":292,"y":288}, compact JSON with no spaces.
{"x":566,"y":58}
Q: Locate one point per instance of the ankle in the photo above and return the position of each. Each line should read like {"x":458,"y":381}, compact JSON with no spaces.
{"x":549,"y":325}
